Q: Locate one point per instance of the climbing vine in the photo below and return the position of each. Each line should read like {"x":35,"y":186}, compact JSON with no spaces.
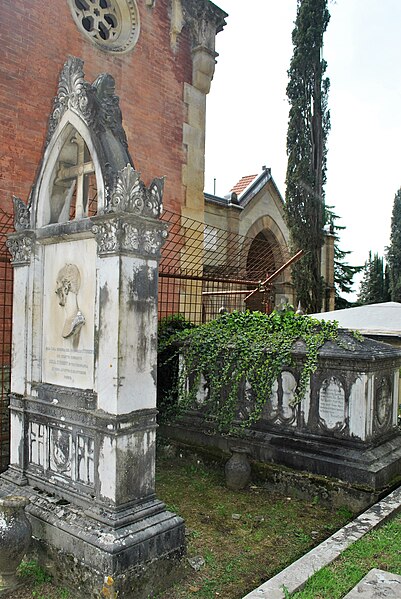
{"x":242,"y":347}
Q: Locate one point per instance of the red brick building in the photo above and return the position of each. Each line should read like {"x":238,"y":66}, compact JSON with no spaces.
{"x":161,"y":55}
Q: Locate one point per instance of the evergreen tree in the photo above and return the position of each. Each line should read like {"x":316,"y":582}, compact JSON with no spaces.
{"x":374,"y":287}
{"x":394,"y":251}
{"x":343,"y":272}
{"x":308,"y":127}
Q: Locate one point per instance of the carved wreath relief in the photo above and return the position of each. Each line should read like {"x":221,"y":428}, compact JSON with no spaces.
{"x":67,"y":288}
{"x":383,"y":401}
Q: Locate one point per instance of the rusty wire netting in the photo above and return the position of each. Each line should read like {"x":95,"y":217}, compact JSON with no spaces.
{"x":6,"y":284}
{"x":204,"y":269}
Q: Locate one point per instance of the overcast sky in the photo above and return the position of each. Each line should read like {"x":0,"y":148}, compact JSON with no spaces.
{"x":247,"y":110}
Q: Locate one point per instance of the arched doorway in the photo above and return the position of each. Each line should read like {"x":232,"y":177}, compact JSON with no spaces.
{"x":261,"y":263}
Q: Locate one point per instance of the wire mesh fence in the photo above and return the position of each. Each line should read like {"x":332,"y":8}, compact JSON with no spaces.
{"x":6,"y":285}
{"x":205,"y":270}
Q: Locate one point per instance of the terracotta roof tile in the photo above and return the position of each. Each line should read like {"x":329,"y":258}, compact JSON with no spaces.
{"x":243,"y":184}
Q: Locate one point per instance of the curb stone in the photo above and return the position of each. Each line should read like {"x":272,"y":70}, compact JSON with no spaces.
{"x":294,"y":577}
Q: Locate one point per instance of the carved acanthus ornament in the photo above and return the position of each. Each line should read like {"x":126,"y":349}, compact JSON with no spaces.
{"x":107,"y":236}
{"x":20,"y":246}
{"x":21,"y":214}
{"x":95,"y":103}
{"x":131,"y":195}
{"x":117,"y":235}
{"x":73,"y":92}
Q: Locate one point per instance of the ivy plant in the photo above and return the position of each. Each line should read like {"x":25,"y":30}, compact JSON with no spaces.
{"x":242,"y":347}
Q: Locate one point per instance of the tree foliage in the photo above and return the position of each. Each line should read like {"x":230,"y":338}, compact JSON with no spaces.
{"x":343,"y":272}
{"x":308,"y":127}
{"x":374,"y":287}
{"x":394,"y":251}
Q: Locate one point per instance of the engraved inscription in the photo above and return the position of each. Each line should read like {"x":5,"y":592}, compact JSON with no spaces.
{"x":332,"y":403}
{"x":69,"y":365}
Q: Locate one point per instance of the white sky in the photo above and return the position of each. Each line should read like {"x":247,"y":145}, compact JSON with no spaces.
{"x":247,"y":109}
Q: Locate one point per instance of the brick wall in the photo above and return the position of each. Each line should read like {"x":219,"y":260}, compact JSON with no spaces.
{"x":36,"y":37}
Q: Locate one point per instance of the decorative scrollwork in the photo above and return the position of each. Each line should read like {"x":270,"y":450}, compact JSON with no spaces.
{"x":21,"y":214}
{"x":155,"y":197}
{"x":128,"y":192}
{"x":131,"y":237}
{"x":109,"y":112}
{"x":153,"y":240}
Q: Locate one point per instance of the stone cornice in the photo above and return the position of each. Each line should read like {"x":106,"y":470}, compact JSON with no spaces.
{"x":203,"y":14}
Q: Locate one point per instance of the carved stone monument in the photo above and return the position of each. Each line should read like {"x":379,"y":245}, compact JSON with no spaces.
{"x":344,"y":428}
{"x":83,"y":390}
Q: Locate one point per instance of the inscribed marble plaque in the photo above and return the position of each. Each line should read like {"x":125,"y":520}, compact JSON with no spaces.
{"x":332,"y":403}
{"x":69,"y":314}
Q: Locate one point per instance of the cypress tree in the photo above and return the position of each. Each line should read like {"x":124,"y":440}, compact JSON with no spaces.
{"x":374,"y":287}
{"x":394,"y":251}
{"x":308,"y":127}
{"x":343,"y":272}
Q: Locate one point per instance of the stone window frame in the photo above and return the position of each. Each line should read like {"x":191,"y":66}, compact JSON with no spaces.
{"x":127,"y":25}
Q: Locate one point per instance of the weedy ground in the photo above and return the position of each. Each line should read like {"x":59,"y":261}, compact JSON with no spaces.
{"x":244,"y":537}
{"x":241,"y":538}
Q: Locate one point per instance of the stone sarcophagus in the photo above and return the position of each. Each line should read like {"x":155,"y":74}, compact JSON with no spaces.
{"x":345,"y":427}
{"x":83,"y":391}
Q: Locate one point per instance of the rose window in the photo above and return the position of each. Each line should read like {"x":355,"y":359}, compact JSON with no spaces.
{"x":111,"y":24}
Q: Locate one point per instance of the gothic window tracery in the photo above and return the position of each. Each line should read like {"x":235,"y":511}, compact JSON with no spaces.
{"x":111,"y":24}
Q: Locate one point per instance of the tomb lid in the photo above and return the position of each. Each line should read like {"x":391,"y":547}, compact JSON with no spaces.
{"x":373,"y":319}
{"x":348,"y":347}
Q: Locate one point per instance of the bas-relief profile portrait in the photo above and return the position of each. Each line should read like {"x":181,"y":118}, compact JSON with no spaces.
{"x":67,"y":288}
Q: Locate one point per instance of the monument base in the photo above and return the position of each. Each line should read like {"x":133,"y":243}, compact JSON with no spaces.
{"x":374,"y":467}
{"x":142,"y":557}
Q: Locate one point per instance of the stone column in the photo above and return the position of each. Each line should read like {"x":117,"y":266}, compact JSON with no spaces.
{"x":20,"y":245}
{"x":126,"y":354}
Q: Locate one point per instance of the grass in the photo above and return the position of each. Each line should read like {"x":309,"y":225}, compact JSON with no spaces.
{"x":381,"y":548}
{"x":244,"y":537}
{"x":37,"y":583}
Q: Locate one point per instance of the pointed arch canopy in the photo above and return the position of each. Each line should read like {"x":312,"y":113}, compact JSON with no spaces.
{"x":91,"y":112}
{"x":86,"y":148}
